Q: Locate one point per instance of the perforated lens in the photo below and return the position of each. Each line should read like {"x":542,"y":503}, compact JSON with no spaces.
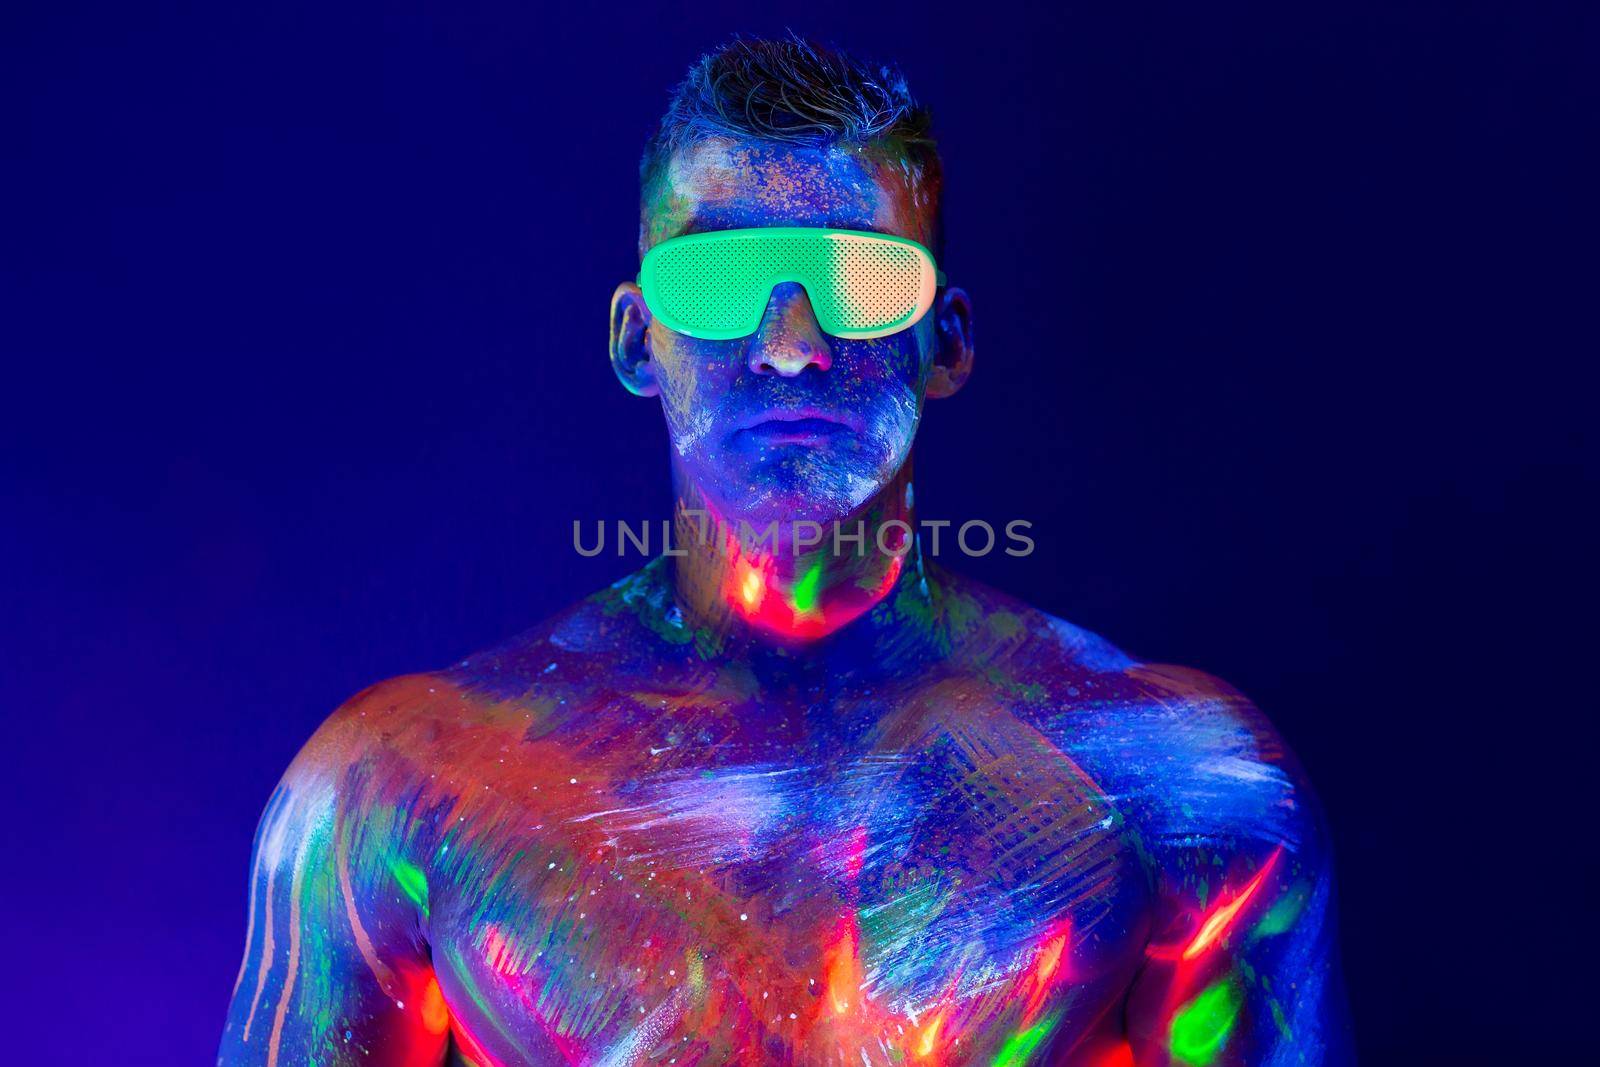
{"x":877,"y":285}
{"x":716,"y":285}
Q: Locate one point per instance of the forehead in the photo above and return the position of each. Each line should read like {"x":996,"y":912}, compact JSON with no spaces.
{"x":723,"y":184}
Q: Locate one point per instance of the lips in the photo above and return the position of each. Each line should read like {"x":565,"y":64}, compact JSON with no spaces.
{"x":793,"y":425}
{"x":803,"y":415}
{"x":805,"y":429}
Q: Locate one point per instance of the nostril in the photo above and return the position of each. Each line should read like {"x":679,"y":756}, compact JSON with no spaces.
{"x":790,"y":359}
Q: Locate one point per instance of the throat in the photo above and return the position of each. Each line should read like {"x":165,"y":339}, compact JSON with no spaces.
{"x":791,"y":581}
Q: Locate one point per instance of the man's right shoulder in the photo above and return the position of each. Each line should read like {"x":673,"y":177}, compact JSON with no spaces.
{"x":525,"y":684}
{"x":399,"y":714}
{"x":358,"y":752}
{"x":522,"y":684}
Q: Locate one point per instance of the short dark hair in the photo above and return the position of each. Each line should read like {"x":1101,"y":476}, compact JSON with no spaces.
{"x":796,"y":91}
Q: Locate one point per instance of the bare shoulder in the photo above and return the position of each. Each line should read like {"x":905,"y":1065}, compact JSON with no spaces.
{"x":994,"y":631}
{"x":449,"y":725}
{"x":379,"y":735}
{"x":1185,"y":755}
{"x":630,"y":627}
{"x":1199,"y":764}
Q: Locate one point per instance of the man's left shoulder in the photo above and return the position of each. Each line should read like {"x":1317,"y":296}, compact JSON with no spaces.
{"x":1210,"y":714}
{"x":1186,"y":756}
{"x":1004,"y":636}
{"x":1228,"y":772}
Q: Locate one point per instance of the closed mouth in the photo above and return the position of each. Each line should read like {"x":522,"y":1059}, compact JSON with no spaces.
{"x":799,"y":424}
{"x":785,"y":428}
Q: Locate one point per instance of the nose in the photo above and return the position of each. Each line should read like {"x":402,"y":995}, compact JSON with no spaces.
{"x":789,"y":339}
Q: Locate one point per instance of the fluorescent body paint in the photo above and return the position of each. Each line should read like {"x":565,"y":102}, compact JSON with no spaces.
{"x":412,"y":882}
{"x":843,"y":966}
{"x":1222,"y":917}
{"x":750,"y":584}
{"x":894,"y":847}
{"x":1281,"y":917}
{"x":1020,"y":1047}
{"x":804,"y":594}
{"x":1201,"y":1027}
{"x":752,"y":587}
{"x":1048,"y":969}
{"x":930,"y":1036}
{"x":435,"y":1016}
{"x":1120,"y":1056}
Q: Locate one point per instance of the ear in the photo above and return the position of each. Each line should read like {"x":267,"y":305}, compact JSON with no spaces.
{"x":952,"y":353}
{"x":630,"y":341}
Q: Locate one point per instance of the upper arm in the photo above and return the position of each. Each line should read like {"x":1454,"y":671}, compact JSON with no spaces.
{"x":1243,"y":967}
{"x":335,"y":967}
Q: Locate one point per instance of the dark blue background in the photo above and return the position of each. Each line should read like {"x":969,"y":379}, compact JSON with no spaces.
{"x":1281,"y":319}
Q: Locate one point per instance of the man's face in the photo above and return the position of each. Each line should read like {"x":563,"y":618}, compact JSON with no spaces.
{"x":788,"y":423}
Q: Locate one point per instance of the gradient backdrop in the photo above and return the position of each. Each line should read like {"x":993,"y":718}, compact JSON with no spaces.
{"x":302,"y":323}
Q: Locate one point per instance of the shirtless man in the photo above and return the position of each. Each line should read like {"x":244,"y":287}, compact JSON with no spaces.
{"x":777,"y":800}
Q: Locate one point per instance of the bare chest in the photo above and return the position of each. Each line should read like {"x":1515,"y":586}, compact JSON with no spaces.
{"x":934,"y":899}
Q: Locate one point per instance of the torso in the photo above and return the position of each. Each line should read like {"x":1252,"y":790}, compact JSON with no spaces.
{"x":637,"y":853}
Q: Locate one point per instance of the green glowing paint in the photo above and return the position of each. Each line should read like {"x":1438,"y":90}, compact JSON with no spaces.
{"x":1279,"y":1021}
{"x":805,"y":590}
{"x":1023,"y":1044}
{"x":1281,"y":917}
{"x":413,"y":883}
{"x":1201,"y":1027}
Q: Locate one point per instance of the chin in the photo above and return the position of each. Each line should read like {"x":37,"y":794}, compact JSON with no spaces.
{"x":762,"y":501}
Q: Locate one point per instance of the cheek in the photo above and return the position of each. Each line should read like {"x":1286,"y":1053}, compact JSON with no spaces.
{"x":900,"y":360}
{"x":890,"y":375}
{"x":883,"y":385}
{"x":894,"y":423}
{"x":694,"y":377}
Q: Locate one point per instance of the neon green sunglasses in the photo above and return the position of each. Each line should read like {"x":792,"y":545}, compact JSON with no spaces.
{"x":716,"y":285}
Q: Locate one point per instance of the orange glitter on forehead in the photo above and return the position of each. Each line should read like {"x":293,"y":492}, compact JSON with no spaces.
{"x":793,"y":185}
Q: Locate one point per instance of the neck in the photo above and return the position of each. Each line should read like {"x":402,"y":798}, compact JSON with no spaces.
{"x":792,"y":582}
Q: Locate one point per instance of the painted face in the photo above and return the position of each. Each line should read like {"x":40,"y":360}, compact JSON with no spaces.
{"x":788,"y":423}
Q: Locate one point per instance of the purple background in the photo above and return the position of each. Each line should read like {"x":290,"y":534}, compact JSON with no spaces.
{"x":302,"y":321}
